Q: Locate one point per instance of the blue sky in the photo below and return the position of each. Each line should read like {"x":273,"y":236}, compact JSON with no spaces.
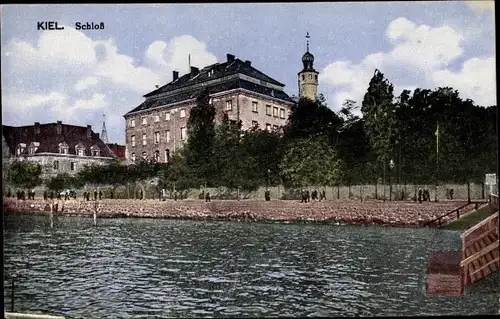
{"x":76,"y":76}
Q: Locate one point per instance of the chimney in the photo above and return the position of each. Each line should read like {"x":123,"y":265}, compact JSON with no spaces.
{"x":249,"y":63}
{"x":59,"y":127}
{"x":175,"y":75}
{"x":230,"y":57}
{"x":37,"y":127}
{"x":194,"y":70}
{"x":89,"y":131}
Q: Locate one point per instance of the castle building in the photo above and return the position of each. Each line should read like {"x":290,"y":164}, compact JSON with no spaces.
{"x":308,"y":77}
{"x":58,"y":147}
{"x":238,"y":91}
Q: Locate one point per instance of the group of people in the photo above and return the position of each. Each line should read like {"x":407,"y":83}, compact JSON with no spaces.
{"x":306,"y":197}
{"x":423,"y":195}
{"x":86,"y":195}
{"x":21,"y":195}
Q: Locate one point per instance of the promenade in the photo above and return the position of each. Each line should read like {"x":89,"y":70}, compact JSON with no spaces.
{"x":400,"y":213}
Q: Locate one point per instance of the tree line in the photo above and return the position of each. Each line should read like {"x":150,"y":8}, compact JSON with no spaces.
{"x":420,"y":137}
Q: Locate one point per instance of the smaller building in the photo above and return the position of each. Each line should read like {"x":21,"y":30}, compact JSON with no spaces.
{"x":118,"y":150}
{"x":58,"y":147}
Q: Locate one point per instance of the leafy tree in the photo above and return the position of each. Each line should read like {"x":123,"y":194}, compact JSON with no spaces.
{"x":201,"y":131}
{"x":60,"y":182}
{"x":311,"y":161}
{"x":379,"y":114}
{"x":25,"y":174}
{"x":312,"y":118}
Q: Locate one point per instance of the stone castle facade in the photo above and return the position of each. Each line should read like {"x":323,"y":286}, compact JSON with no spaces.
{"x":239,"y":92}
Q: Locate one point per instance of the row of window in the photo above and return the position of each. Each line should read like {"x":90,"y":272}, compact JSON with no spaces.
{"x":229,"y":107}
{"x":55,"y":166}
{"x":310,"y":77}
{"x":157,"y":137}
{"x":156,"y":117}
{"x":63,"y":149}
{"x":255,"y":124}
{"x":156,"y":156}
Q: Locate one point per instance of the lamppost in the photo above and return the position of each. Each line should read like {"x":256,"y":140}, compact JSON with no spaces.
{"x":267,"y":179}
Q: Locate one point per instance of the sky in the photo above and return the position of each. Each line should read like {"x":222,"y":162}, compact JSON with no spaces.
{"x":77,"y":76}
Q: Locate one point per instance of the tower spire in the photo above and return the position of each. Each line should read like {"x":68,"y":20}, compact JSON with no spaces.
{"x":307,"y":37}
{"x":104,"y":134}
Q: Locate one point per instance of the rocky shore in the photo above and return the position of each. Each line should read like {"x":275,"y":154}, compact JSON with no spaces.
{"x":402,"y":214}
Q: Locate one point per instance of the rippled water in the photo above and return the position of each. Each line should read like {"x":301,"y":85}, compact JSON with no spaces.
{"x":149,"y":268}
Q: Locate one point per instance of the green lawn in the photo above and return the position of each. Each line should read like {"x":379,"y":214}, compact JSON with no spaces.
{"x":469,"y":220}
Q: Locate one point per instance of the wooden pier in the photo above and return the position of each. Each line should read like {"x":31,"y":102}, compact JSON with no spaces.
{"x":449,"y":273}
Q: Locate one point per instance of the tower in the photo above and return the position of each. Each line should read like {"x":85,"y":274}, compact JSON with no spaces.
{"x":308,"y":77}
{"x":104,"y":134}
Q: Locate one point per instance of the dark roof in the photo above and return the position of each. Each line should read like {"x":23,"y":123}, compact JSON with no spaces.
{"x":216,"y":88}
{"x":118,"y":150}
{"x":49,"y":139}
{"x":219,"y":70}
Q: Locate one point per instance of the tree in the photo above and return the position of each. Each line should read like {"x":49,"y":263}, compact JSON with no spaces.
{"x":312,"y":118}
{"x":201,"y":131}
{"x":60,"y":182}
{"x":25,"y":174}
{"x":311,"y":161}
{"x":379,"y":114}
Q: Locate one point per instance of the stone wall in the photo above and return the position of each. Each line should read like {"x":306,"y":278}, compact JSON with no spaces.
{"x":339,"y":211}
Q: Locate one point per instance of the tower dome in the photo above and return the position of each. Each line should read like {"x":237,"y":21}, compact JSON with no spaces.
{"x":308,"y":57}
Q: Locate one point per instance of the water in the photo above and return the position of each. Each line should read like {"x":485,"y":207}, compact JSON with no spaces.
{"x":149,"y":268}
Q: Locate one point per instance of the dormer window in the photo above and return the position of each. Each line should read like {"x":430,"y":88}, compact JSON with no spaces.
{"x":63,"y":148}
{"x":80,"y":149}
{"x":20,"y":148}
{"x":210,"y":73}
{"x":95,"y":151}
{"x":33,"y":147}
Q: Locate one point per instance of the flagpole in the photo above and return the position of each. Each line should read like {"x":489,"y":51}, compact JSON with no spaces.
{"x":437,"y":162}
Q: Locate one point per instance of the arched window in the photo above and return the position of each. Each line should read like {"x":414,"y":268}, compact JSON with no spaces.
{"x":303,"y":77}
{"x":133,"y":157}
{"x":157,"y":156}
{"x":310,"y":76}
{"x":144,"y":155}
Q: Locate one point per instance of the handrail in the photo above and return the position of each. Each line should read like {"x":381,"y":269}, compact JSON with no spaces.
{"x":456,"y":210}
{"x":478,"y":225}
{"x":479,"y":253}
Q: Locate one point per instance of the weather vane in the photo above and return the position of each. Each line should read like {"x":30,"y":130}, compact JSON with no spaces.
{"x":307,"y":37}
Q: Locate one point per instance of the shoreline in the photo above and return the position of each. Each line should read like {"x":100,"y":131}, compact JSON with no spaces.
{"x":350,"y":212}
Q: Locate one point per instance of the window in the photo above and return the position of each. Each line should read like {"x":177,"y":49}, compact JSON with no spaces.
{"x":37,"y":129}
{"x":157,"y":118}
{"x":144,"y":120}
{"x":157,"y":156}
{"x":167,"y":116}
{"x":56,"y":164}
{"x":211,"y":101}
{"x":96,"y":152}
{"x":275,"y":127}
{"x":80,"y":152}
{"x":144,"y":139}
{"x":268,"y":109}
{"x":32,"y":150}
{"x":210,"y":73}
{"x":316,"y":77}
{"x":268,"y":127}
{"x":73,"y":166}
{"x":167,"y":136}
{"x":144,"y":155}
{"x":183,"y":113}
{"x":133,"y":157}
{"x":63,"y":148}
{"x":310,"y":76}
{"x":275,"y":111}
{"x":167,"y":155}
{"x":282,"y":113}
{"x":255,"y":124}
{"x":132,"y":123}
{"x":254,"y":107}
{"x":183,"y":133}
{"x":132,"y":140}
{"x":229,"y":105}
{"x":157,"y":137}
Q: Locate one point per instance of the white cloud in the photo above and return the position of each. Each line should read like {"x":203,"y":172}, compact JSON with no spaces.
{"x":76,"y":69}
{"x":86,"y":83}
{"x":476,"y":80}
{"x":481,"y":6}
{"x":416,"y":51}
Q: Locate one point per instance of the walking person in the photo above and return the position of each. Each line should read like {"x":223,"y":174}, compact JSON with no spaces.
{"x":95,"y":194}
{"x":303,"y":195}
{"x":308,"y":196}
{"x":207,"y":197}
{"x":420,"y":195}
